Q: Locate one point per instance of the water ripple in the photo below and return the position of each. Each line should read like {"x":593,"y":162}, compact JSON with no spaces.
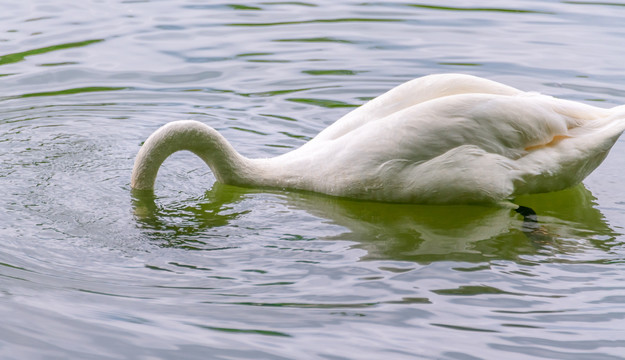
{"x":89,"y":269}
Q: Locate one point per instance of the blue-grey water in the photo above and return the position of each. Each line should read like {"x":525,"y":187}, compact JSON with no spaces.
{"x":208,"y":271}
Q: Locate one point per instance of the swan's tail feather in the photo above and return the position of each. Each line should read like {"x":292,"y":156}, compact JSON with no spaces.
{"x":619,"y":113}
{"x":616,"y":121}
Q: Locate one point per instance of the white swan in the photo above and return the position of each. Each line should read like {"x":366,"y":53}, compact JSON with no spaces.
{"x":439,"y":139}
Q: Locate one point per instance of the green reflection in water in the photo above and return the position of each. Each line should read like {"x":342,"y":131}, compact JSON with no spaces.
{"x":281,"y":117}
{"x":249,"y":130}
{"x":243,"y":7}
{"x":80,"y":90}
{"x":464,"y":328}
{"x":60,"y":63}
{"x":17,"y":57}
{"x":274,"y":92}
{"x":255,"y":54}
{"x":568,"y":223}
{"x":317,"y":40}
{"x":294,"y":136}
{"x":473,"y":290}
{"x":450,"y":8}
{"x":459,"y":64}
{"x":298,"y":3}
{"x":331,"y":72}
{"x":322,"y":102}
{"x":268,"y":61}
{"x":593,"y":3}
{"x":317,"y":21}
{"x":243,"y":331}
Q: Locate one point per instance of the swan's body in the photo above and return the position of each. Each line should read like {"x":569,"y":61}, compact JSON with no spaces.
{"x":437,"y":139}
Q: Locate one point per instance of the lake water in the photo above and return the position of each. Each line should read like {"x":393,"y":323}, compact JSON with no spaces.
{"x":208,"y":271}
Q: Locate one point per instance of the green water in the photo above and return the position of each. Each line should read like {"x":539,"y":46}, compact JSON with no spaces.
{"x":207,"y":271}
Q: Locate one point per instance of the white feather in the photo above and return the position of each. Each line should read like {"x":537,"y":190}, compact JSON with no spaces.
{"x":438,"y":139}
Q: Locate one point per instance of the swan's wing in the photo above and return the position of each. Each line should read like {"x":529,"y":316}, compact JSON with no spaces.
{"x":552,"y":143}
{"x":496,"y":144}
{"x":512,"y":126}
{"x":409,"y":94}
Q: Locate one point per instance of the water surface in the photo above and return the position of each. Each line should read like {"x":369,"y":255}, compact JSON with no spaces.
{"x":203,"y":270}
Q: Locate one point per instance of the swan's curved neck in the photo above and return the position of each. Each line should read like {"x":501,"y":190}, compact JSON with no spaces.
{"x":228,"y":165}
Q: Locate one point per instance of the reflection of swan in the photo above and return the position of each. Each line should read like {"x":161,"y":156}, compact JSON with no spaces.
{"x":386,"y":231}
{"x":461,"y":233}
{"x":180,"y":221}
{"x":437,"y":139}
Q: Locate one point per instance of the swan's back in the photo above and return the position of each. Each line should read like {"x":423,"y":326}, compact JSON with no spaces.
{"x":411,"y":93}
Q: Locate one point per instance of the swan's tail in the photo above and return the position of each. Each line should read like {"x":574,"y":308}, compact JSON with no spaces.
{"x":616,"y":120}
{"x":619,"y":112}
